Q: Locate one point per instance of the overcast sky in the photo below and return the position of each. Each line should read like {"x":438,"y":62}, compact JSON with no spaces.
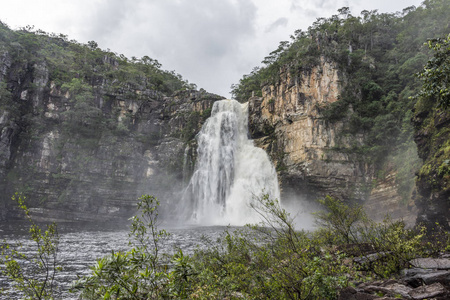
{"x":211,"y":43}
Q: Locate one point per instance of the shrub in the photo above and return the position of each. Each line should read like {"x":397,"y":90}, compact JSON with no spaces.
{"x":32,"y":274}
{"x":383,"y":248}
{"x":393,"y":244}
{"x":340,"y":219}
{"x":136,"y":274}
{"x":270,"y":260}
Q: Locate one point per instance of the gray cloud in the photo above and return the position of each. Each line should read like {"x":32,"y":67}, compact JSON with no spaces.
{"x":281,"y":22}
{"x":210,"y":29}
{"x":319,"y":8}
{"x":107,"y":18}
{"x":196,"y":39}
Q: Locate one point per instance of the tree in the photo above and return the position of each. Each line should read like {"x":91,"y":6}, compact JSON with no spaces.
{"x":433,"y":137}
{"x":436,"y":74}
{"x":92,"y":45}
{"x":340,"y":219}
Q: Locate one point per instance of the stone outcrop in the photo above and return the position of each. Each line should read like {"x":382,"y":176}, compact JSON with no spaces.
{"x":92,"y":165}
{"x":427,"y":278}
{"x":394,"y":290}
{"x":311,"y":154}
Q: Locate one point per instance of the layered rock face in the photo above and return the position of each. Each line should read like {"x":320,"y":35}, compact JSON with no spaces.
{"x":311,"y":155}
{"x":433,"y":180}
{"x":76,"y":161}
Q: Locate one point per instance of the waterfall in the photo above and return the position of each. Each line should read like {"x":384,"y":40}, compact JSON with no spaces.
{"x":230,"y":170}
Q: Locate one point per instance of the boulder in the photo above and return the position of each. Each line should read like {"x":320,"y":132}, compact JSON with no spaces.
{"x":429,"y":291}
{"x":417,"y":277}
{"x":431,"y":263}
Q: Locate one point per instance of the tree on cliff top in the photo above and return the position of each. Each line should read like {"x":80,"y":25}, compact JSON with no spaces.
{"x":436,"y":74}
{"x":66,"y":60}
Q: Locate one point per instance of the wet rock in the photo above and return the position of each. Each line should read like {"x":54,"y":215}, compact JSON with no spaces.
{"x":429,"y":291}
{"x":428,"y":271}
{"x":350,"y":293}
{"x":431,"y":263}
{"x":390,"y":289}
{"x":417,"y":277}
{"x":363,"y":260}
{"x":429,"y":278}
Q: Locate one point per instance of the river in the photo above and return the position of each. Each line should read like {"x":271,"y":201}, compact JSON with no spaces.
{"x":80,"y":246}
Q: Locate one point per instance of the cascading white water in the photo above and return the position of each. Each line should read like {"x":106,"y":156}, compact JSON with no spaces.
{"x":230,"y":170}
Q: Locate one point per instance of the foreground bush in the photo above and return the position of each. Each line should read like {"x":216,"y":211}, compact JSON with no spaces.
{"x":384,"y":248}
{"x":136,"y":274}
{"x":270,"y":260}
{"x":33,"y":275}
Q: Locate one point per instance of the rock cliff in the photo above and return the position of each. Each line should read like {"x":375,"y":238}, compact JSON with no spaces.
{"x":312,"y":156}
{"x":86,"y":150}
{"x":433,"y":180}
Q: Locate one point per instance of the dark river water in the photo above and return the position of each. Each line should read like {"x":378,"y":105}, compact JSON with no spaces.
{"x":80,"y":246}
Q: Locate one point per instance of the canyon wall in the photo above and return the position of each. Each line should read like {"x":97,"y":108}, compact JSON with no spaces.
{"x":90,"y":157}
{"x":311,"y":155}
{"x":432,"y":136}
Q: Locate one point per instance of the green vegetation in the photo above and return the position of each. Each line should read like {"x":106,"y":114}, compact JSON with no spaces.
{"x":271,"y":260}
{"x":431,"y":118}
{"x":67,"y":60}
{"x":436,"y":73}
{"x":378,"y":55}
{"x":135,"y":274}
{"x":32,"y":274}
{"x":248,"y":85}
{"x":384,"y":248}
